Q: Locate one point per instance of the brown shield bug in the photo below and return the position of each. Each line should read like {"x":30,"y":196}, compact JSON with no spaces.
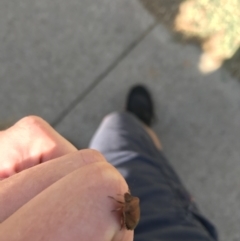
{"x":130,"y":211}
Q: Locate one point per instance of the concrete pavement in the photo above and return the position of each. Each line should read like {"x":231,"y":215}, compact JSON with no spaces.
{"x":73,"y":62}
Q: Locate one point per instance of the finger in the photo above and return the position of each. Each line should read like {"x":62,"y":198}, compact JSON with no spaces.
{"x":20,"y":188}
{"x":29,"y":142}
{"x":76,"y":207}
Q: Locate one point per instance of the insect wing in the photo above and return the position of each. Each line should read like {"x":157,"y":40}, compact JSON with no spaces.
{"x":132,"y":213}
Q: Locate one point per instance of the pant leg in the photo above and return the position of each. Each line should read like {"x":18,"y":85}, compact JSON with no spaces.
{"x":168,"y":211}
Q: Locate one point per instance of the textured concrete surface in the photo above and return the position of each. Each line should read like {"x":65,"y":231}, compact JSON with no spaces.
{"x":76,"y":65}
{"x":52,"y":51}
{"x":198,"y":121}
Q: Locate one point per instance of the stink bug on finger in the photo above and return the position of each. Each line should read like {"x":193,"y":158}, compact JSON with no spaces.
{"x":130,"y":211}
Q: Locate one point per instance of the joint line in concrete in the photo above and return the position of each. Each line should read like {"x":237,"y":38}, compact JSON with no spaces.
{"x":101,"y":77}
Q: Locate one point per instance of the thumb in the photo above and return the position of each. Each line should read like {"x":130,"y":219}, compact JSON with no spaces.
{"x":101,"y":181}
{"x":76,"y":207}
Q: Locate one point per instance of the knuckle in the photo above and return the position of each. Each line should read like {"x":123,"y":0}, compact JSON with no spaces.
{"x":91,"y":155}
{"x":95,"y":153}
{"x":32,"y":126}
{"x":31,"y":121}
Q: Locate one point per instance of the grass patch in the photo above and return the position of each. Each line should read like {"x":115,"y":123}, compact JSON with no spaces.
{"x":215,"y":24}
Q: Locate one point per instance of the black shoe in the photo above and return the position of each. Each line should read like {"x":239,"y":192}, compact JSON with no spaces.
{"x":139,"y":102}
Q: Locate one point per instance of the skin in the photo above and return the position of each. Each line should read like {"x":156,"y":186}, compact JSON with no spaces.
{"x":51,"y":191}
{"x":154,"y":138}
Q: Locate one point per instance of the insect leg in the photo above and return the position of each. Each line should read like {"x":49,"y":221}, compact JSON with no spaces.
{"x":116,"y":200}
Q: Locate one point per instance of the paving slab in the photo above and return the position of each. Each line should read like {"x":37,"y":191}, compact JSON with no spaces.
{"x":198,"y":120}
{"x":51,"y":51}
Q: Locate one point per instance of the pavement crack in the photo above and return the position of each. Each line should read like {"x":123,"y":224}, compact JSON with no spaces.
{"x":103,"y":75}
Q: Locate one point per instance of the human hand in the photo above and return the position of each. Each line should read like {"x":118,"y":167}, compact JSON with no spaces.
{"x":51,"y":191}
